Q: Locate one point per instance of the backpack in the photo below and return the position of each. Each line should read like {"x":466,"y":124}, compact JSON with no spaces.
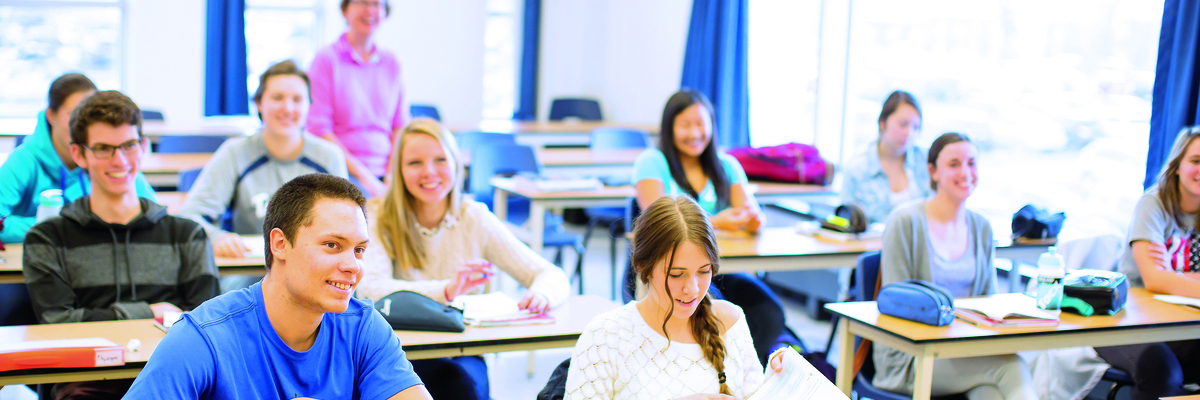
{"x":790,"y":163}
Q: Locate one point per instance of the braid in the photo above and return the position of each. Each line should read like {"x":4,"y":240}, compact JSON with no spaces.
{"x":707,"y":332}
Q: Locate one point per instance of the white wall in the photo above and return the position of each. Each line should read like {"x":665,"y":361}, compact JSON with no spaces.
{"x":626,"y":53}
{"x":164,"y":57}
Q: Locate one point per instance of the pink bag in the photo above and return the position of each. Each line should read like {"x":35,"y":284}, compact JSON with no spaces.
{"x":791,"y":163}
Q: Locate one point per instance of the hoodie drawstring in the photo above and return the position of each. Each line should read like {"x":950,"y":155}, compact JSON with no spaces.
{"x":128,"y":268}
{"x":116,"y":277}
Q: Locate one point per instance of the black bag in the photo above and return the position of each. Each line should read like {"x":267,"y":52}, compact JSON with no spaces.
{"x":1105,"y":291}
{"x":1034,"y":223}
{"x":411,"y":311}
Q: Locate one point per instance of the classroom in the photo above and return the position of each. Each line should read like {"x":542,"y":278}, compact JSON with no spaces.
{"x":600,"y":199}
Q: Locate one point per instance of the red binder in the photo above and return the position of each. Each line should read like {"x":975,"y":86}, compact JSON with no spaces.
{"x":67,"y":353}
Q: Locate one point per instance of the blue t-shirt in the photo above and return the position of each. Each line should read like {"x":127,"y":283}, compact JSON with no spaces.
{"x":652,"y":164}
{"x":227,"y":349}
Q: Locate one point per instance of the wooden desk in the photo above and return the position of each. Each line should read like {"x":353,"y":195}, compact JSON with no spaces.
{"x":10,"y":264}
{"x":551,"y":133}
{"x":581,"y":161}
{"x":570,"y":321}
{"x":162,"y":169}
{"x":1144,"y":320}
{"x":783,"y":249}
{"x":173,"y":201}
{"x":609,"y":196}
{"x":571,"y":318}
{"x":223,"y":127}
{"x":119,"y":332}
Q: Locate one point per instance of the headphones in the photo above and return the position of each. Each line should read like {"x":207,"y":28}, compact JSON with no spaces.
{"x":846,"y":218}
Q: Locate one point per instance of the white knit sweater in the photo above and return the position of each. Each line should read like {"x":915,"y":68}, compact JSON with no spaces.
{"x":619,"y":356}
{"x":475,"y":233}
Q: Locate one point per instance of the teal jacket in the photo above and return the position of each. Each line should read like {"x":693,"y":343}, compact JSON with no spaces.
{"x":33,"y":167}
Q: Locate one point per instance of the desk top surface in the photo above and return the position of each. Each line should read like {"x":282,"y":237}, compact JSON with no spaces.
{"x":526,"y":188}
{"x":571,"y":157}
{"x":173,"y":163}
{"x":119,"y":332}
{"x":10,"y":259}
{"x":570,"y":320}
{"x":786,"y":241}
{"x":1141,"y":311}
{"x":547,"y":127}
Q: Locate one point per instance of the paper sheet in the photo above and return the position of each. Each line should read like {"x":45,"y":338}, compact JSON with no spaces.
{"x":1180,"y":300}
{"x":799,"y":380}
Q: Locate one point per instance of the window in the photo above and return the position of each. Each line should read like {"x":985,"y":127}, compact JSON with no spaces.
{"x":41,"y":40}
{"x":1055,"y":95}
{"x":278,"y":30}
{"x":499,"y":60}
{"x":782,"y":39}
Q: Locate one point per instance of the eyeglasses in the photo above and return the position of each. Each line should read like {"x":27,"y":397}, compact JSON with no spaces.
{"x":107,"y":151}
{"x":366,"y":3}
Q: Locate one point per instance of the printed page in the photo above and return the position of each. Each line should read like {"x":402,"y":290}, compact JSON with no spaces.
{"x":799,"y":380}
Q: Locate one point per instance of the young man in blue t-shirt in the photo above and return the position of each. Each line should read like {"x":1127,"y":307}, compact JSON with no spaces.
{"x":298,"y":333}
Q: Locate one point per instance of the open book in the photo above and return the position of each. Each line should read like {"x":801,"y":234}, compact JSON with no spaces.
{"x":799,"y":380}
{"x":496,"y":309}
{"x":1005,"y":310}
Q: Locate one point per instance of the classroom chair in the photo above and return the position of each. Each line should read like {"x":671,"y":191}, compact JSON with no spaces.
{"x":19,"y":139}
{"x":612,"y":139}
{"x":16,"y":307}
{"x":152,"y":115}
{"x":866,"y":274}
{"x":425,"y":110}
{"x":491,"y":160}
{"x":189,"y":144}
{"x":187,"y":179}
{"x":468,"y":141}
{"x":584,"y":109}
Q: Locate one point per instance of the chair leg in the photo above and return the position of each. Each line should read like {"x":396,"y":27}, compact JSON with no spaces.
{"x":612,"y":255}
{"x":1112,"y":393}
{"x":558,"y":257}
{"x":579,"y":248}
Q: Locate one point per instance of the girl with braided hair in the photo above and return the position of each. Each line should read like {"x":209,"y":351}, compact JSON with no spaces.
{"x":677,"y":342}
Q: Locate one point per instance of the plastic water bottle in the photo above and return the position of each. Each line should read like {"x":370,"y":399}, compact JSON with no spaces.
{"x":49,"y":204}
{"x":1051,"y":269}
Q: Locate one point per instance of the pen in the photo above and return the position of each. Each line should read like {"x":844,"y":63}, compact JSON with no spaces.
{"x":160,"y":327}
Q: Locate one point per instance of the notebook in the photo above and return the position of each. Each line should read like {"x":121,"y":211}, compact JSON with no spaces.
{"x":1189,"y":302}
{"x":64,"y":353}
{"x":496,"y":309}
{"x":799,"y":380}
{"x":1005,"y":310}
{"x":561,"y":183}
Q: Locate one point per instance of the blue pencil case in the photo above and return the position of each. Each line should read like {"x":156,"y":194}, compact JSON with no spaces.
{"x":917,"y":300}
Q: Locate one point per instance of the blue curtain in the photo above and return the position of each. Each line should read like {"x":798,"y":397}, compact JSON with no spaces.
{"x":715,"y":64}
{"x":1176,"y":82}
{"x":531,"y":28}
{"x":225,"y":72}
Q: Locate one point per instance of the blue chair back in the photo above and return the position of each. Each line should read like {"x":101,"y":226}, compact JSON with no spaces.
{"x":152,"y":115}
{"x":190,"y":144}
{"x":866,"y":273}
{"x":584,"y":109}
{"x":619,"y":138}
{"x":492,"y":160}
{"x":20,"y":139}
{"x":468,"y":141}
{"x":187,"y":179}
{"x":16,"y":307}
{"x":425,"y":110}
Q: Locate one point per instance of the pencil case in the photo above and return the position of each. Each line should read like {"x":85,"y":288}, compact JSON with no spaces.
{"x":411,"y":311}
{"x":918,"y":301}
{"x":1105,"y":291}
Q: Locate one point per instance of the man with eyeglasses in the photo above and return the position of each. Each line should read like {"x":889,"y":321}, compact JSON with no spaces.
{"x":111,"y":255}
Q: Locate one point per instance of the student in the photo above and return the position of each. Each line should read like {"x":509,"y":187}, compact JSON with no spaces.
{"x":244,"y":172}
{"x":892,"y":171}
{"x":110,"y":255}
{"x":1161,"y":237}
{"x":358,"y":96}
{"x":299,"y":332}
{"x":44,"y":161}
{"x":690,"y":164}
{"x":432,"y":241}
{"x":939,"y":240}
{"x":677,"y":342}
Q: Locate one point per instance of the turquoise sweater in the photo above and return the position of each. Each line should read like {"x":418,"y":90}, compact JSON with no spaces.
{"x":34,"y":167}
